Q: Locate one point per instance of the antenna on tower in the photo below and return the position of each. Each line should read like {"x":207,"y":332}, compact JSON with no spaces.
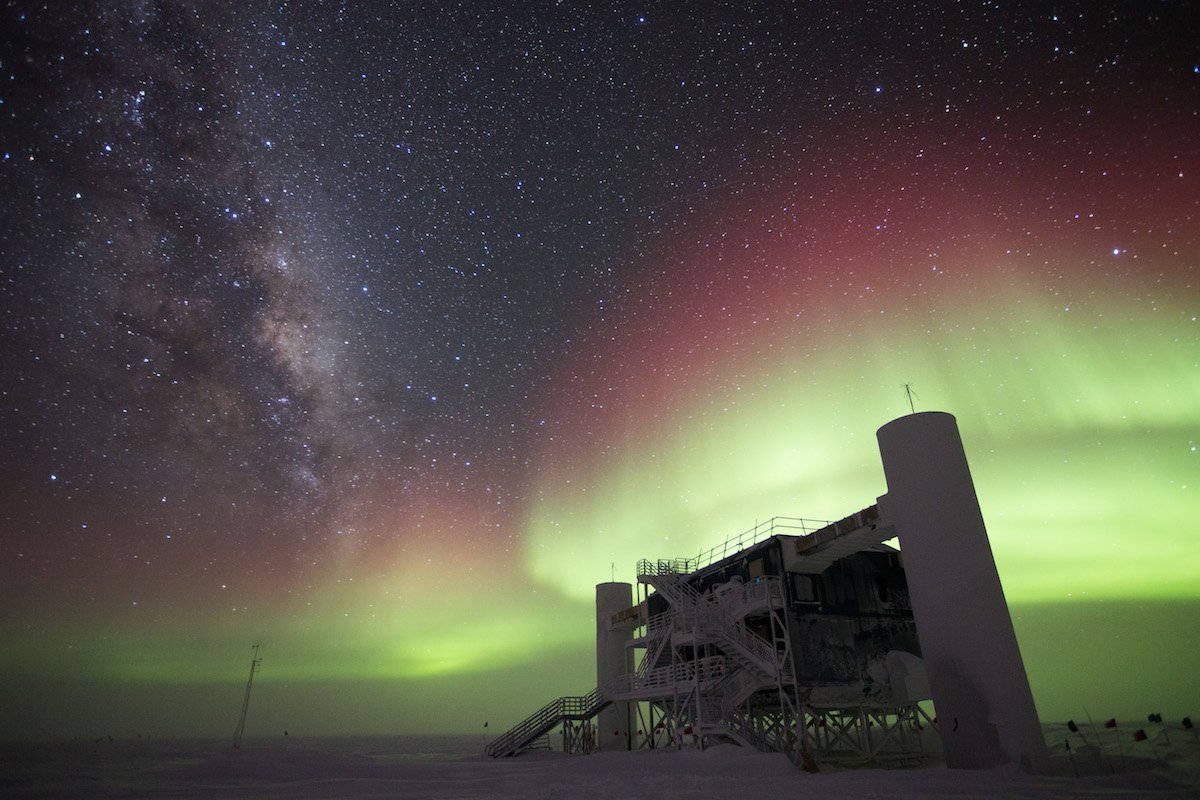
{"x":255,"y":662}
{"x":910,"y":394}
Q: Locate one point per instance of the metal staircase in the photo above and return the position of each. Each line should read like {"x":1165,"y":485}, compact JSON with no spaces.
{"x":720,"y":618}
{"x":740,"y":726}
{"x":666,"y":577}
{"x":748,"y":649}
{"x":658,"y":635}
{"x":736,"y":689}
{"x":539,"y":723}
{"x":749,"y":663}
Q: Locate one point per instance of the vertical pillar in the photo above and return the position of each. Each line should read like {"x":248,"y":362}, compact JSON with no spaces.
{"x":613,"y":659}
{"x":985,"y":709}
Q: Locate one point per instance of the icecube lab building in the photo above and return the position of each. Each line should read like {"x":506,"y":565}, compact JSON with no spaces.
{"x":818,"y":640}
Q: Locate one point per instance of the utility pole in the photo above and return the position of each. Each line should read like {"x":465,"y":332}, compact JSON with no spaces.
{"x":909,"y":393}
{"x":255,"y":662}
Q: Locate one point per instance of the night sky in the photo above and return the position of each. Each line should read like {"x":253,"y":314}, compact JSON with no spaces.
{"x":380,"y":334}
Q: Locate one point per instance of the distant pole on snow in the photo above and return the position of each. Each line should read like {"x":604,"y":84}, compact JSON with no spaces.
{"x":255,"y":662}
{"x":1099,"y":744}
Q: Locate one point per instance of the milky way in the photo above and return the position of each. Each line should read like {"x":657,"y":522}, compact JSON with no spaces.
{"x":380,"y":335}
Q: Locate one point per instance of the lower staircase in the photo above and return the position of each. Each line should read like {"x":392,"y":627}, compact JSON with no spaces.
{"x":527,"y":732}
{"x":741,"y":728}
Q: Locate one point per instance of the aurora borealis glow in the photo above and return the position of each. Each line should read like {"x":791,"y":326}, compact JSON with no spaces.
{"x":379,"y":336}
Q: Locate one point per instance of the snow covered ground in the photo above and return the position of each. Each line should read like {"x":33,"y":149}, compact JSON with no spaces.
{"x":414,"y":768}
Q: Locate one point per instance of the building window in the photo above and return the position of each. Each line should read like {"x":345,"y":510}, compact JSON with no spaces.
{"x":804,"y":588}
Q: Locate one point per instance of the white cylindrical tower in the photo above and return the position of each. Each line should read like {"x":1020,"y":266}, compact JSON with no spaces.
{"x":613,"y":659}
{"x":985,"y":709}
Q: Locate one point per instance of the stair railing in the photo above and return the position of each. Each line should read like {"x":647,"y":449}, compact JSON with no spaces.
{"x":546,"y":717}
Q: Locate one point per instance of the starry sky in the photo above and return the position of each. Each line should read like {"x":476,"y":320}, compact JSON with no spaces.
{"x":380,"y":333}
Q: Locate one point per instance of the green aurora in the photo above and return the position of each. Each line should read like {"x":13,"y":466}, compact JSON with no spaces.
{"x":1081,"y":427}
{"x":1081,"y":430}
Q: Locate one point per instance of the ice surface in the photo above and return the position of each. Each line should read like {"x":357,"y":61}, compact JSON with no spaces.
{"x":1111,"y":764}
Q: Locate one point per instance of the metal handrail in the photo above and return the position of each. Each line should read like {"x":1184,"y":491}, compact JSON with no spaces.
{"x":790,"y":526}
{"x":761,"y":531}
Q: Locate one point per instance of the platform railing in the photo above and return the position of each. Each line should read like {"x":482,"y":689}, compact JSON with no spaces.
{"x":786,"y":526}
{"x":775,"y":526}
{"x":666,"y":566}
{"x":662,"y":681}
{"x":737,"y":599}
